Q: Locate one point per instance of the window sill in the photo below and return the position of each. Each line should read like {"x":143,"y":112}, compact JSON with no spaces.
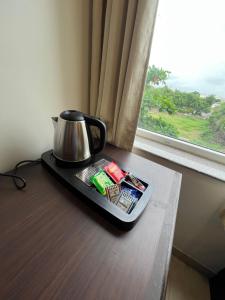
{"x":181,"y":157}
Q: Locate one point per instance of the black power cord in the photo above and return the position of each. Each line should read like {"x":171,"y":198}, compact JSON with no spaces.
{"x":16,"y":179}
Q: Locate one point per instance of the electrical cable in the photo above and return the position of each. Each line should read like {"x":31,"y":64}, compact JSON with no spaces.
{"x":17,"y":178}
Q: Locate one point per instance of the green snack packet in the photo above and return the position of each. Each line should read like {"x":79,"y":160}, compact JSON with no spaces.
{"x":101,"y":181}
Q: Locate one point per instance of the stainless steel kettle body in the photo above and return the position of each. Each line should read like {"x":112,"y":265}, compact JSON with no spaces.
{"x":73,"y":141}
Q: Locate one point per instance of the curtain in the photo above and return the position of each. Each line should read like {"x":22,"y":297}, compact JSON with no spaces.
{"x":121,"y":33}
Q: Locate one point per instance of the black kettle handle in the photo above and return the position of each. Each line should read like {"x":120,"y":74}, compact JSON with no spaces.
{"x":92,"y":121}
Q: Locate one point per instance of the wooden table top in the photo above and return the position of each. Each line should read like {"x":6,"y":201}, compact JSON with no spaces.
{"x":54,"y":246}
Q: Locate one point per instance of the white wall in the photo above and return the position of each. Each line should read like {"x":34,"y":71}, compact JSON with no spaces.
{"x":43,"y":70}
{"x":199,"y":232}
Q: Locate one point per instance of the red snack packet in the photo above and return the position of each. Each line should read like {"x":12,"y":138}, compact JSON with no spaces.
{"x":114,"y":172}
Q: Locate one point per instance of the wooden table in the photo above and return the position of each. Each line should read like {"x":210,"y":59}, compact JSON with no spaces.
{"x":54,"y":246}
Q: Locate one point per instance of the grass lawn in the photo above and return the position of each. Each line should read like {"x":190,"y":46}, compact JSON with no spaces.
{"x":191,"y":129}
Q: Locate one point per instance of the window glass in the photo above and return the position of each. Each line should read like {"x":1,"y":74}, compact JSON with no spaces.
{"x":184,"y":94}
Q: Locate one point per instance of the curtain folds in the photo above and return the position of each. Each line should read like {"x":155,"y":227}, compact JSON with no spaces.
{"x":121,"y":34}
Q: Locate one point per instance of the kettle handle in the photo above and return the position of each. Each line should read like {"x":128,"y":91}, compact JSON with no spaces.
{"x":92,"y":121}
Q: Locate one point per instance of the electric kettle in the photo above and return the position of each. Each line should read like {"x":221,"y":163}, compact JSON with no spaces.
{"x":73,"y":139}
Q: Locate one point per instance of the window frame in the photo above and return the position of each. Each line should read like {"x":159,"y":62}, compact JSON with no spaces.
{"x":182,"y":145}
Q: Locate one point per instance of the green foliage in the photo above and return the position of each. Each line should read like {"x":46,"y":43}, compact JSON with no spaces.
{"x":167,"y":106}
{"x":156,"y":76}
{"x":190,"y":128}
{"x":159,"y":98}
{"x":171,"y":101}
{"x":157,"y":124}
{"x":194,"y":103}
{"x":217,"y":122}
{"x":166,"y":99}
{"x":211,"y":99}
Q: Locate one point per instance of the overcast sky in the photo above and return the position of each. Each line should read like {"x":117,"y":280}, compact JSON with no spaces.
{"x":189,"y":41}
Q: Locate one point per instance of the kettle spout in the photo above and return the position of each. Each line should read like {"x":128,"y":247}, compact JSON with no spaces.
{"x":55,"y":121}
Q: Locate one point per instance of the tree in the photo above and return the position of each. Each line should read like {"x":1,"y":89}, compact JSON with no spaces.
{"x":157,"y":97}
{"x":155,"y":76}
{"x":167,"y":106}
{"x":211,"y":99}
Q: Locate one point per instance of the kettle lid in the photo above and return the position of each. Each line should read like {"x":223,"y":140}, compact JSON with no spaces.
{"x":72,"y":115}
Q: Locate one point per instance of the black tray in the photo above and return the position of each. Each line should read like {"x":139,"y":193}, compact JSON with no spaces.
{"x":68,"y":176}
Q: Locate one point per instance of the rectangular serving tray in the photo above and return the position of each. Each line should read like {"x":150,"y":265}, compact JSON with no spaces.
{"x":110,"y":210}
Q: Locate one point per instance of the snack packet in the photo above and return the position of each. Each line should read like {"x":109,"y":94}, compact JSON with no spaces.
{"x":125,"y":201}
{"x":101,"y":181}
{"x":128,"y":199}
{"x":114,"y":172}
{"x":113,"y":192}
{"x":135,"y":182}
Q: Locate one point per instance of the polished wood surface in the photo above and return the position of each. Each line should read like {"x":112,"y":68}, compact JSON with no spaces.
{"x":54,"y":246}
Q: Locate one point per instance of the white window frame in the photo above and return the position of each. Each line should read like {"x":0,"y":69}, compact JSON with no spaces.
{"x":181,"y":145}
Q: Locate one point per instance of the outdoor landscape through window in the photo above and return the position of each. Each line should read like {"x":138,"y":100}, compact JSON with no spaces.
{"x":184,"y":95}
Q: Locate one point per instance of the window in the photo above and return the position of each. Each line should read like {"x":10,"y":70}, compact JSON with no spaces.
{"x":184,"y":96}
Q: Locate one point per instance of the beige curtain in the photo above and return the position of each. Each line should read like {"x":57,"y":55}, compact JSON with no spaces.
{"x":121,"y":34}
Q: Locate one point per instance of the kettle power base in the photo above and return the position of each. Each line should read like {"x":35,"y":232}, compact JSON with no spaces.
{"x":76,"y":179}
